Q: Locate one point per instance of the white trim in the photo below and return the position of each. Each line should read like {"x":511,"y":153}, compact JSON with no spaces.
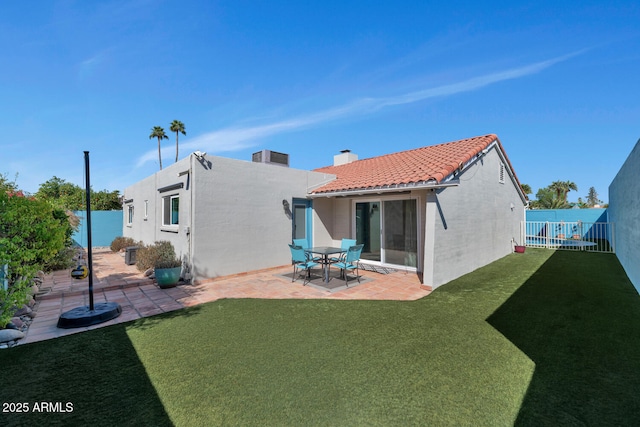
{"x":130,"y":213}
{"x":169,"y":226}
{"x":419,"y":228}
{"x":404,"y":188}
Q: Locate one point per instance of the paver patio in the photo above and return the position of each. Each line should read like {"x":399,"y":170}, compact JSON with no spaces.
{"x":139,"y":296}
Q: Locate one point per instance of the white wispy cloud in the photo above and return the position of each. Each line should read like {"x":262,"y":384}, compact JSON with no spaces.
{"x":238,"y":138}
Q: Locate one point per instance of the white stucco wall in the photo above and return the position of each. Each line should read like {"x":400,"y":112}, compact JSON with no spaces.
{"x":232,"y":217}
{"x":461,"y":228}
{"x":473,"y":223}
{"x":239,"y":221}
{"x":624,"y":212}
{"x":150,"y":229}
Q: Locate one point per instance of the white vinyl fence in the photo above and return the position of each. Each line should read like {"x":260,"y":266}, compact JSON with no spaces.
{"x":575,"y":236}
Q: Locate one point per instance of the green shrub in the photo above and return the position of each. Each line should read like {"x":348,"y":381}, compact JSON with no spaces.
{"x":120,"y":243}
{"x":63,"y":260}
{"x":158,"y":255}
{"x":15,"y":296}
{"x":32,"y":233}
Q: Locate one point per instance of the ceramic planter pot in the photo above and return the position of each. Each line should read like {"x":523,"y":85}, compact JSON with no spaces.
{"x":520,"y":249}
{"x":167,"y":277}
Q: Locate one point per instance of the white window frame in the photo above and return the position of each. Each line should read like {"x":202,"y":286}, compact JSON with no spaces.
{"x":146,"y":209}
{"x":130,"y":213}
{"x":168,"y":223}
{"x":419,"y":224}
{"x":502,"y":173}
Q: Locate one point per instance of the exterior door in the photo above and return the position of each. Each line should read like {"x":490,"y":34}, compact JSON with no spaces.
{"x":388,"y":229}
{"x":302,"y":220}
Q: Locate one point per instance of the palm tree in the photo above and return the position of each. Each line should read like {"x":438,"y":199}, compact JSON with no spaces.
{"x":158,"y":132}
{"x":562,"y":188}
{"x":547,"y":198}
{"x":178,"y":127}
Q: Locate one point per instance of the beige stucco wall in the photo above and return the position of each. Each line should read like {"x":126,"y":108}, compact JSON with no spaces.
{"x":332,"y":220}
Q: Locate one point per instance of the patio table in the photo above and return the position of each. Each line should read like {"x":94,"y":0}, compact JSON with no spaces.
{"x":325,"y":251}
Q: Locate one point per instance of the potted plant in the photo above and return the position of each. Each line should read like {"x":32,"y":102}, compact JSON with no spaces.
{"x":518,"y":248}
{"x":167,"y":266}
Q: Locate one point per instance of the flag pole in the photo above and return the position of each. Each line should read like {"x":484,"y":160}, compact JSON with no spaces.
{"x":84,"y":316}
{"x":89,"y":253}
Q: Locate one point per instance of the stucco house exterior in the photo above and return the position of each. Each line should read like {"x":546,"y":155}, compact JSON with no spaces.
{"x":440,"y":211}
{"x":624,"y":211}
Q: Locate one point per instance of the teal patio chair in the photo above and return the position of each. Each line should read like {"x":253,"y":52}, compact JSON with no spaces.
{"x":345,"y":245}
{"x":350,"y":262}
{"x":300,"y":262}
{"x":305,"y":245}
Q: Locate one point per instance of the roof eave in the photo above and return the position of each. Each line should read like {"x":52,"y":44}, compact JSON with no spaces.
{"x":385,"y":189}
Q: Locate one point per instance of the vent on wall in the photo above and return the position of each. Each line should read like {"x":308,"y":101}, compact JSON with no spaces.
{"x":271,"y":157}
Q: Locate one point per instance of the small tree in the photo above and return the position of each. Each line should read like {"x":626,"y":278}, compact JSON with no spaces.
{"x":61,"y":194}
{"x":68,"y":196}
{"x":592,"y":198}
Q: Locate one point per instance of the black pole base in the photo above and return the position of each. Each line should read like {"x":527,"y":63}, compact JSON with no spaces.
{"x":81,"y":317}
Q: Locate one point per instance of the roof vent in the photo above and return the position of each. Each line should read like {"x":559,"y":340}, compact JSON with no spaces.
{"x":271,"y":157}
{"x":345,"y":156}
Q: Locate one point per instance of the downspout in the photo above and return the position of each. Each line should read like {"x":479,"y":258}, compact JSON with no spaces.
{"x":190,"y":229}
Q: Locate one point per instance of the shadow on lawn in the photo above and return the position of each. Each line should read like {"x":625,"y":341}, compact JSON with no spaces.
{"x":149,"y":322}
{"x":578,"y":319}
{"x":96,"y":382}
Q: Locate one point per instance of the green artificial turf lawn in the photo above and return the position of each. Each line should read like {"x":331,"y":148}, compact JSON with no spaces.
{"x":541,"y":338}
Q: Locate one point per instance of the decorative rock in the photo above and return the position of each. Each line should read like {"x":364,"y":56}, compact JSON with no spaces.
{"x":24,"y":311}
{"x":17,"y":322}
{"x":7,"y":335}
{"x":148,"y":272}
{"x":31,"y":303}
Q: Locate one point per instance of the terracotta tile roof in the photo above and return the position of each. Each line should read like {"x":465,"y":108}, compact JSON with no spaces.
{"x":433,"y":163}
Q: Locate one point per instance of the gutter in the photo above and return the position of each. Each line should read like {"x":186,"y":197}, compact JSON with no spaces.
{"x":430,"y":185}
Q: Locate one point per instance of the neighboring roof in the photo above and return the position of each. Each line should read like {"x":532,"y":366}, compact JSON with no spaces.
{"x":406,"y":168}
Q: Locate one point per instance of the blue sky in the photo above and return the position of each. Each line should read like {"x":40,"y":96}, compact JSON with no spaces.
{"x":556,"y":81}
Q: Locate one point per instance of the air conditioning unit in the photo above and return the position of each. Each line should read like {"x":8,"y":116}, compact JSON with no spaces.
{"x":271,"y":157}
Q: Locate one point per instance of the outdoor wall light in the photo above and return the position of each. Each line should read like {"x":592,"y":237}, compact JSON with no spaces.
{"x":286,"y":206}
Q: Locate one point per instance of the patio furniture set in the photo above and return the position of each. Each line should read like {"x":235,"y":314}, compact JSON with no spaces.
{"x":346,"y":258}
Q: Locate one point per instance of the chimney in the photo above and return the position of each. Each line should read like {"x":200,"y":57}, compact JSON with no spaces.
{"x":345,"y":156}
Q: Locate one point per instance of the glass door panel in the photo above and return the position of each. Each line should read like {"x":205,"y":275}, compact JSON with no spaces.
{"x":299,"y":222}
{"x":368,"y":229}
{"x":400,"y":232}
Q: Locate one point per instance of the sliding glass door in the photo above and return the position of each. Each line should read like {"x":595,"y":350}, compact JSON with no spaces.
{"x":389,"y":231}
{"x":368,"y":230}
